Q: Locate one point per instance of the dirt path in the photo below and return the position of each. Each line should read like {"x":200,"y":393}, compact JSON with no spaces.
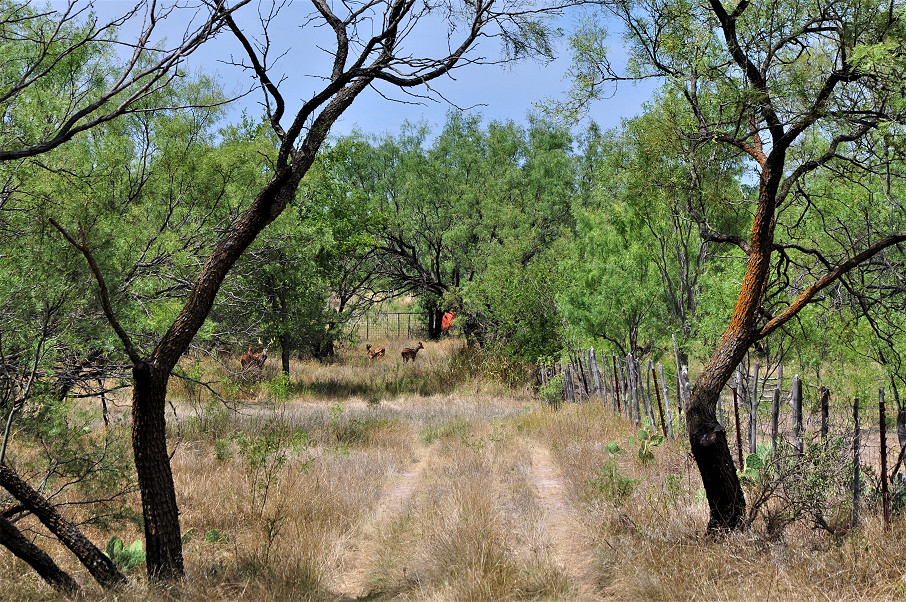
{"x":562,"y":525}
{"x":365,"y":542}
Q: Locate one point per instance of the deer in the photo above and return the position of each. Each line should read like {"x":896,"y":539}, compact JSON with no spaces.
{"x":251,"y":359}
{"x":374,"y":352}
{"x":409,"y":353}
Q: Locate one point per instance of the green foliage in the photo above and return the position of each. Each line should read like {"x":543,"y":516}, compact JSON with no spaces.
{"x":647,"y":439}
{"x":264,"y":456}
{"x":612,"y":485}
{"x":125,"y":558}
{"x":223,"y":449}
{"x":280,"y":387}
{"x":469,"y":222}
{"x":60,"y":441}
{"x":793,"y":486}
{"x":756,"y":465}
{"x":188,"y":535}
{"x":637,"y":257}
{"x":552,"y":392}
{"x":215,"y":536}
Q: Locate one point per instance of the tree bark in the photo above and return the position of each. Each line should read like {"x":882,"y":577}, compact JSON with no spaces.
{"x":284,"y":352}
{"x":163,"y":538}
{"x":707,"y":437}
{"x":708,"y":440}
{"x":13,"y":540}
{"x":435,"y":321}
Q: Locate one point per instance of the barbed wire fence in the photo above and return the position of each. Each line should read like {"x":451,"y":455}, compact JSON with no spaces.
{"x":757,"y":407}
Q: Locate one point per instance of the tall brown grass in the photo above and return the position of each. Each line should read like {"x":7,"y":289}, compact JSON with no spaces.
{"x":417,"y":482}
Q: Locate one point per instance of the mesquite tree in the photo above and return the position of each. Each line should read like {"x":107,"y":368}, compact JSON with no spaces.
{"x":795,"y":88}
{"x":371,"y":45}
{"x":62,"y":77}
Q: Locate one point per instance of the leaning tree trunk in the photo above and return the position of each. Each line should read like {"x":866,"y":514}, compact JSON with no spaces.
{"x":97,"y":563}
{"x":13,"y":540}
{"x":706,"y":436}
{"x":709,"y":444}
{"x":155,"y":478}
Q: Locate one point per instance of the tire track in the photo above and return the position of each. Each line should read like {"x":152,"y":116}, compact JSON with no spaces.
{"x":568,"y":546}
{"x":364,"y":542}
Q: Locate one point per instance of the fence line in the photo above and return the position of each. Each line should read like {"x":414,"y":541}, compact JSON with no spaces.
{"x":391,"y":325}
{"x":622,"y":384}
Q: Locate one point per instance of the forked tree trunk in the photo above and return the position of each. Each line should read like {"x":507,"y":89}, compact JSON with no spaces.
{"x":152,"y":463}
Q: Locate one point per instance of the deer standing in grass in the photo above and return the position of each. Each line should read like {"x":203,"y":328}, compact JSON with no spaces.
{"x":409,"y":353}
{"x":250,"y":359}
{"x":375,"y":352}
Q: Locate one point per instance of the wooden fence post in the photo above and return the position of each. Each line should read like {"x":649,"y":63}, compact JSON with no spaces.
{"x":857,"y":442}
{"x":679,"y":378}
{"x":616,"y":383}
{"x":720,"y":408}
{"x":753,"y":413}
{"x":824,"y":392}
{"x":596,"y":376}
{"x":666,"y":401}
{"x":775,"y":420}
{"x":797,"y":413}
{"x":648,"y":399}
{"x":627,"y":391}
{"x":582,"y":374}
{"x":605,"y":378}
{"x":639,"y":391}
{"x":885,"y":493}
{"x":569,"y":382}
{"x":633,"y":386}
{"x":736,"y":412}
{"x":687,"y":390}
{"x":660,"y":406}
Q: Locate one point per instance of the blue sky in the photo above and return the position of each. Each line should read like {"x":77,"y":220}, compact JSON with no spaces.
{"x":496,"y":92}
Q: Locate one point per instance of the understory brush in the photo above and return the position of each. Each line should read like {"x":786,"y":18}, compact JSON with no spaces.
{"x":652,"y":516}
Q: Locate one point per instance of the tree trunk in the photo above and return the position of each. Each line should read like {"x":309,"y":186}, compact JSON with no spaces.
{"x":13,"y":540}
{"x":435,"y":316}
{"x":163,"y":539}
{"x":284,"y":352}
{"x":708,"y":440}
{"x":97,"y":563}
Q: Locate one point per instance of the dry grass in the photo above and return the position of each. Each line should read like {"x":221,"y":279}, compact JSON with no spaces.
{"x":383,"y":481}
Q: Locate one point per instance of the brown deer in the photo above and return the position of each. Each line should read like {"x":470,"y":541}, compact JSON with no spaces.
{"x":409,"y":353}
{"x":251,"y":359}
{"x":374,"y":352}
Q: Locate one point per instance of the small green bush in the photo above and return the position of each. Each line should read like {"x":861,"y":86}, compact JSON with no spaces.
{"x":610,"y":483}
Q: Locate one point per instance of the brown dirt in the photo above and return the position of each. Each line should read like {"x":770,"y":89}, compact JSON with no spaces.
{"x":569,"y":547}
{"x":364,"y":542}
